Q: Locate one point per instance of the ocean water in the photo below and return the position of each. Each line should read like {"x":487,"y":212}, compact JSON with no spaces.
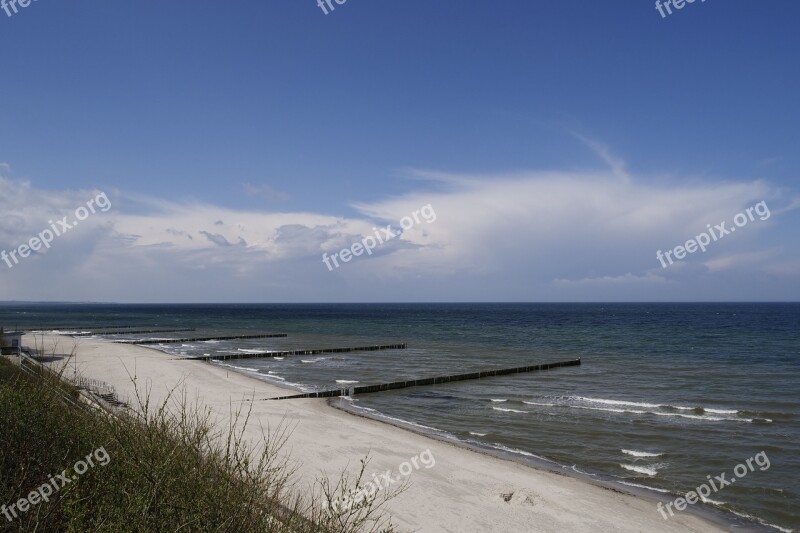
{"x":667,"y":395}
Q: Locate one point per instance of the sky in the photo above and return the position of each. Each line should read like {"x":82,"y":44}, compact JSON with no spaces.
{"x":556,"y":148}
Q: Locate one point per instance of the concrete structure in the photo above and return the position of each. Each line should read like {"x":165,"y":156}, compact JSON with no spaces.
{"x":11,"y":342}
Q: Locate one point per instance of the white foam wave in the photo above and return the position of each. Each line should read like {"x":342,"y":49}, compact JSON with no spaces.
{"x":609,"y":409}
{"x":508,"y":410}
{"x":498,"y":400}
{"x":519,"y":452}
{"x":617,"y":402}
{"x":642,"y":486}
{"x":409,"y":423}
{"x":625,"y":407}
{"x":641,"y":454}
{"x":345,"y":381}
{"x":575,"y":469}
{"x":706,"y":410}
{"x":703,"y":417}
{"x":658,"y":405}
{"x":477,"y":434}
{"x":242,"y":368}
{"x":721,"y":411}
{"x":762,"y":522}
{"x":640,"y":469}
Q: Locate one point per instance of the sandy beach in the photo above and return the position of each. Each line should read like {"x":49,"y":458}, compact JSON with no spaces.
{"x":465,"y":491}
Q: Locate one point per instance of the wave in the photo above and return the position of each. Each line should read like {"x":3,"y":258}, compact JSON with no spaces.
{"x":574,"y":468}
{"x":268,"y":377}
{"x":402,"y":421}
{"x":608,"y":409}
{"x":477,"y":434}
{"x":709,"y":410}
{"x":617,"y":402}
{"x":640,"y":469}
{"x":242,"y":368}
{"x":345,"y":381}
{"x":498,"y":400}
{"x":711,"y":418}
{"x":641,"y":454}
{"x":382,"y":416}
{"x":642,"y":486}
{"x":500,"y":447}
{"x":644,"y":408}
{"x":762,"y":522}
{"x":508,"y":410}
{"x":698,"y":410}
{"x":248,"y":350}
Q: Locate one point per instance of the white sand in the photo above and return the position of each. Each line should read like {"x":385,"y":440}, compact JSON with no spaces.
{"x":462,"y":493}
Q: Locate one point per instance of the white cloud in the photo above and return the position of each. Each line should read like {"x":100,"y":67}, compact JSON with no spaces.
{"x":528,"y":236}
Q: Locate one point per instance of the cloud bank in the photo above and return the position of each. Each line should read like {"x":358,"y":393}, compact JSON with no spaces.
{"x":531,"y":236}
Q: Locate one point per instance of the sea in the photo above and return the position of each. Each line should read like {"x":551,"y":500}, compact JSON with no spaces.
{"x":668,"y":396}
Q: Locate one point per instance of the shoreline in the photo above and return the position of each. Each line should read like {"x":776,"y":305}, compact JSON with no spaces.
{"x":722,"y":518}
{"x":327,"y":439}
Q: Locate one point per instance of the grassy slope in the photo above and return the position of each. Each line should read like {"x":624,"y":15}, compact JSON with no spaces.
{"x":165,"y":471}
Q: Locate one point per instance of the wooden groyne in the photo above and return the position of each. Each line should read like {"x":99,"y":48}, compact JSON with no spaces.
{"x":198,"y":339}
{"x":135,"y":332}
{"x":352,"y":391}
{"x":258,"y":355}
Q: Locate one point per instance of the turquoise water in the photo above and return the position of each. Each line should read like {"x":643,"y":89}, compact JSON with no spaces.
{"x":667,"y":395}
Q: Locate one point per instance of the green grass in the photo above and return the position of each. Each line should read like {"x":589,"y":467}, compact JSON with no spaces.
{"x":170,"y":469}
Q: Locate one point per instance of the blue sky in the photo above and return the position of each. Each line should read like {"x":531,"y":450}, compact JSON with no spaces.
{"x":562,"y":143}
